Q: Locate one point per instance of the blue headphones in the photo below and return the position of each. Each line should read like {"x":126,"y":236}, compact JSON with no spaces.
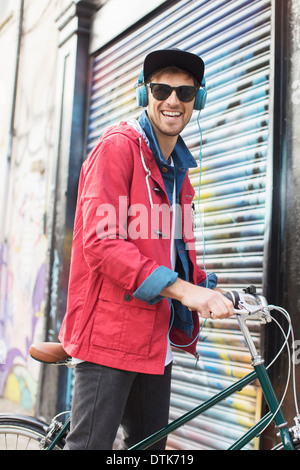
{"x":142,"y":94}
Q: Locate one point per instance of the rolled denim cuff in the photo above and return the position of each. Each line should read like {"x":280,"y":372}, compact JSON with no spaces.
{"x":210,"y":282}
{"x":149,"y":291}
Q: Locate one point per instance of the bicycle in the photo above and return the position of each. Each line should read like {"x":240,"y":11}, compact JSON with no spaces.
{"x":32,"y":432}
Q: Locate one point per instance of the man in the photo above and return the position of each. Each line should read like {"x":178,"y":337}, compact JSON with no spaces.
{"x":135,"y":288}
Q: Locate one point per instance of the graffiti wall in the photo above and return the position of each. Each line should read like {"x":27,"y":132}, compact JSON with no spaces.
{"x":26,"y":191}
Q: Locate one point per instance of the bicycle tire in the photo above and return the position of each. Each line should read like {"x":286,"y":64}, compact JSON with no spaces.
{"x":23,"y":433}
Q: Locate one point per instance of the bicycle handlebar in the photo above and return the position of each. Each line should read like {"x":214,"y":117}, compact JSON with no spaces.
{"x":234,"y":297}
{"x":250,"y":304}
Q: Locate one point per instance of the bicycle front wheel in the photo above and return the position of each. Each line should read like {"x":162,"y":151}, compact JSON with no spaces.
{"x":22,"y":433}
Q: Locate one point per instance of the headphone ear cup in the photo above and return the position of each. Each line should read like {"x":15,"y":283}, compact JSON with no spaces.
{"x":142,"y":96}
{"x":141,"y":91}
{"x":200,"y":99}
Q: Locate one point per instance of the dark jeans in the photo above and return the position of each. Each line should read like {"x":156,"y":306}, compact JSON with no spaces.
{"x":104,"y":398}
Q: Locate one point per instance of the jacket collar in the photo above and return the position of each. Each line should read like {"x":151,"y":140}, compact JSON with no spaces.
{"x":182,"y":157}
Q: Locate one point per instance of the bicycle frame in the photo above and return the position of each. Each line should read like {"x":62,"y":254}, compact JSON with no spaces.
{"x":260,"y":372}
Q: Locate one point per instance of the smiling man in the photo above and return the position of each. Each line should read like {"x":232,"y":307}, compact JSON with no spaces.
{"x":132,"y":295}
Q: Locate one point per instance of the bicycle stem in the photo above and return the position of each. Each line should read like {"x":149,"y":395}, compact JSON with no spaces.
{"x":256,"y":358}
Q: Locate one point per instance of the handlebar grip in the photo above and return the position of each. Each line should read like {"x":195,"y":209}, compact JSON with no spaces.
{"x":234,"y":297}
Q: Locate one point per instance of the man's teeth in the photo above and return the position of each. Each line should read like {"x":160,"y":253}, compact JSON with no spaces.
{"x":171,"y":113}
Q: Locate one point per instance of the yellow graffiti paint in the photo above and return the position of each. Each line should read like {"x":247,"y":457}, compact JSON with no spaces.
{"x":12,"y":389}
{"x":21,"y":388}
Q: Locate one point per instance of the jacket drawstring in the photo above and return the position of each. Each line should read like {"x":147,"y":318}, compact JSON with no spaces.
{"x":148,"y":173}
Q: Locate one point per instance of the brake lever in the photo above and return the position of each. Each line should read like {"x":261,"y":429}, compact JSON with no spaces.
{"x":259,"y":312}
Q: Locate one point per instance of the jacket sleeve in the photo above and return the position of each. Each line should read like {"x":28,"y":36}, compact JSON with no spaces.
{"x":210,"y":282}
{"x":104,"y":203}
{"x":158,"y":280}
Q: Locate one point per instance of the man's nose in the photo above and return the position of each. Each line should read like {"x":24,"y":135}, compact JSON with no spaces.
{"x":173,"y":98}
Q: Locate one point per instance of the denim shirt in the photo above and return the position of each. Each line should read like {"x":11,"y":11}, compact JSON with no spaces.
{"x":163,"y":277}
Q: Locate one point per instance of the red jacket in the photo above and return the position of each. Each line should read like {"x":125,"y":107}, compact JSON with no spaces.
{"x":104,"y":322}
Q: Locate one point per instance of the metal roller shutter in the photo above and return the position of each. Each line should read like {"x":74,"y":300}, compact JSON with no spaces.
{"x":233,"y":37}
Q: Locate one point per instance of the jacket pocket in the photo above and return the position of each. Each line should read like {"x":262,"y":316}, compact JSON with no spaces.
{"x":122,"y":322}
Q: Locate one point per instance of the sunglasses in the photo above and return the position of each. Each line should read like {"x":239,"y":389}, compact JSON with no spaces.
{"x":184,"y":93}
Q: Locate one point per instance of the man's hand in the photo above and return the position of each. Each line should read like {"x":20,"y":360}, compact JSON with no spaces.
{"x":209,"y":303}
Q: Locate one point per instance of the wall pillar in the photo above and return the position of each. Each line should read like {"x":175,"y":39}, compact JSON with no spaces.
{"x":283,"y":268}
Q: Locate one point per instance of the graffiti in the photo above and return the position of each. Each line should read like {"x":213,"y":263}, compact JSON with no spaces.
{"x":24,"y":248}
{"x":17,"y":381}
{"x":2,"y":351}
{"x":22,"y":289}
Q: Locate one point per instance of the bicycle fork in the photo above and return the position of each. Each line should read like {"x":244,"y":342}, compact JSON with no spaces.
{"x":267,"y":388}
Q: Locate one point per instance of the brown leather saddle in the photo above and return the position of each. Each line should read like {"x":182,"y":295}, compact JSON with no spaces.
{"x":49,"y":353}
